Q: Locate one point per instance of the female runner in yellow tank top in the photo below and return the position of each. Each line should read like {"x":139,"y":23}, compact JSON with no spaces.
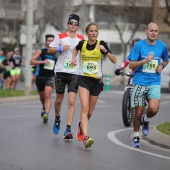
{"x":90,"y":82}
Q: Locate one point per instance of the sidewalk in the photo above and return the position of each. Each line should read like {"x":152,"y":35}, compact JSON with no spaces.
{"x":155,"y":137}
{"x":19,"y":99}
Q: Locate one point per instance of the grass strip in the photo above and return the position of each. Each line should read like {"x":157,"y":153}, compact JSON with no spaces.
{"x":14,"y":93}
{"x":164,"y":128}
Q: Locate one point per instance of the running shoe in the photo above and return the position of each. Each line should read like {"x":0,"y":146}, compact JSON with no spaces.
{"x":136,"y":142}
{"x":56,"y":127}
{"x":45,"y":117}
{"x":88,"y":141}
{"x":68,"y":134}
{"x":79,"y":133}
{"x":145,"y":126}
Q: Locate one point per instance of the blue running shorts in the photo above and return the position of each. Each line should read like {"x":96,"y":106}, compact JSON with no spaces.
{"x":139,"y":94}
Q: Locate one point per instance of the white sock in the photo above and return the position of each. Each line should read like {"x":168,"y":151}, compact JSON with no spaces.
{"x":146,"y":119}
{"x":136,"y":134}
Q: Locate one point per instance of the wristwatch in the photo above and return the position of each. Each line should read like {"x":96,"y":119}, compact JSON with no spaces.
{"x":106,"y":52}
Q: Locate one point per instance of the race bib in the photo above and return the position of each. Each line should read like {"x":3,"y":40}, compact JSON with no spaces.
{"x":150,"y":67}
{"x":90,"y":67}
{"x":67,"y":65}
{"x":49,"y":66}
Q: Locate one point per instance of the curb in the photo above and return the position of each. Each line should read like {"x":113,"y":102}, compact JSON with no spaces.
{"x":157,"y":138}
{"x":18,"y":99}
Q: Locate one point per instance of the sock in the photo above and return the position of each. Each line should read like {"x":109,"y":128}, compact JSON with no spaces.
{"x":146,"y":119}
{"x":68,"y":127}
{"x":43,"y":107}
{"x":136,"y":134}
{"x":57,"y":117}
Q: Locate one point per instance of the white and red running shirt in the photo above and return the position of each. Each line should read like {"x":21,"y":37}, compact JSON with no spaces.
{"x":65,"y":57}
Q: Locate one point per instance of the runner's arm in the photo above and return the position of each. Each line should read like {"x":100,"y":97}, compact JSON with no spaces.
{"x":106,"y":51}
{"x":34,"y":60}
{"x":135,"y":64}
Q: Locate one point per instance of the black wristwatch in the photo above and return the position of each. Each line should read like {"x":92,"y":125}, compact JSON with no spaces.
{"x":106,"y":52}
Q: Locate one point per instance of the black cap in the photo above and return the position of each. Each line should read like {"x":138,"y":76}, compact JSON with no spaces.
{"x":74,"y":16}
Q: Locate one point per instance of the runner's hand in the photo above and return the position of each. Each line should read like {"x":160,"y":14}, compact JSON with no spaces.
{"x":46,"y":61}
{"x":65,"y":47}
{"x":117,"y":71}
{"x":73,"y":63}
{"x":150,"y":57}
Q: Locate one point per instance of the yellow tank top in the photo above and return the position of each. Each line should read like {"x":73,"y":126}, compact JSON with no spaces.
{"x":91,"y":61}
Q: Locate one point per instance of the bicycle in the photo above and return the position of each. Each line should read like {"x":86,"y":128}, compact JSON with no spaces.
{"x":127,"y":110}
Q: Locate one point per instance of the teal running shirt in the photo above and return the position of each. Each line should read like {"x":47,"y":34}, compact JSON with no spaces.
{"x":146,"y":75}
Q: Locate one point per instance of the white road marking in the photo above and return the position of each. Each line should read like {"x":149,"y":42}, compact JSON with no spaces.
{"x":112,"y":137}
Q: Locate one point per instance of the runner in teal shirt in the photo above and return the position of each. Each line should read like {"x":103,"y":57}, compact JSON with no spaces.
{"x":146,"y":58}
{"x":147,"y":74}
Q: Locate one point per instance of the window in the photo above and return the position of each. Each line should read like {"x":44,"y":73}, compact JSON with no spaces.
{"x":116,"y":48}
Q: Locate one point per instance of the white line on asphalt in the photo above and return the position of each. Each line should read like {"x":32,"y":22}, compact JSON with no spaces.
{"x":112,"y":137}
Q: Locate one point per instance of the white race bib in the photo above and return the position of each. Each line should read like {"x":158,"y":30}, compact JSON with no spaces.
{"x":90,"y":67}
{"x":150,"y":67}
{"x":49,"y":66}
{"x":67,"y":65}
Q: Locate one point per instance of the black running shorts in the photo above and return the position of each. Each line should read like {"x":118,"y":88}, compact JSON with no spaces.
{"x":93,"y":85}
{"x":41,"y":82}
{"x":63,"y":79}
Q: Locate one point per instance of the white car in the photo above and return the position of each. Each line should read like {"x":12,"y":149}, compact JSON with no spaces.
{"x":165,"y":78}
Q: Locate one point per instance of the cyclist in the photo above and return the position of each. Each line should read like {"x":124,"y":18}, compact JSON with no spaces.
{"x":126,"y":61}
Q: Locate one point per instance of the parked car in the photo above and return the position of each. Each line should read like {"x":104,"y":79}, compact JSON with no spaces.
{"x":165,"y":78}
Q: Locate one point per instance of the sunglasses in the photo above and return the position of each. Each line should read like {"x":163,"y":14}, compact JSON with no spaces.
{"x":73,"y":23}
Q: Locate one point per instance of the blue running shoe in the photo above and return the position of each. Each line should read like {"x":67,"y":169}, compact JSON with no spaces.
{"x":68,"y":134}
{"x":56,"y":127}
{"x":45,"y":117}
{"x":145,"y":126}
{"x":136,"y":142}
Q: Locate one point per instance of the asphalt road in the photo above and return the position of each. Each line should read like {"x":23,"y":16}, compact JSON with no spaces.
{"x":26,"y":143}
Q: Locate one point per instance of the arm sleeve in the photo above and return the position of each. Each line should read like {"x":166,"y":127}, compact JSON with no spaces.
{"x":105,"y":46}
{"x":79,"y":45}
{"x":124,"y":64}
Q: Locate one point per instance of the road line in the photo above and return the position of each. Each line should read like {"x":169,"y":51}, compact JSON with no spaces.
{"x":112,"y":137}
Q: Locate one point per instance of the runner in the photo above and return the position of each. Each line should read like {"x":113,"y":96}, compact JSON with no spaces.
{"x":65,"y":74}
{"x":2,"y":57}
{"x":45,"y":75}
{"x":145,"y":58}
{"x":6,"y":65}
{"x":90,"y":82}
{"x":16,"y":62}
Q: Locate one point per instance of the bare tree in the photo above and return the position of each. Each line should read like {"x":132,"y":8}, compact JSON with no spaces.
{"x":167,"y":16}
{"x":51,"y":12}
